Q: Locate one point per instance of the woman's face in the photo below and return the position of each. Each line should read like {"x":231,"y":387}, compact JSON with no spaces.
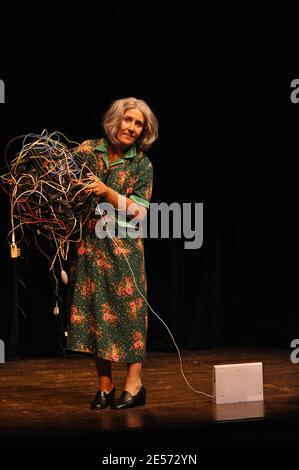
{"x":130,"y":127}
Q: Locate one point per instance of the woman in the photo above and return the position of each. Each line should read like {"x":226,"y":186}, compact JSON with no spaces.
{"x":108,"y":316}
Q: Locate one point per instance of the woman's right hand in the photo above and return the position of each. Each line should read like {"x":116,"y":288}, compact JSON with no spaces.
{"x":96,"y":186}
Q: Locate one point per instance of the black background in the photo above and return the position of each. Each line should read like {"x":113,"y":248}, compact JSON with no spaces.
{"x":218,"y":82}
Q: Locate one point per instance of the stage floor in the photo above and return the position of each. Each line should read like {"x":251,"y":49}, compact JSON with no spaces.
{"x":45,"y":404}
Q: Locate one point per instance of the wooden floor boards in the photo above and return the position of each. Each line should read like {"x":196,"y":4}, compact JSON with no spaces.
{"x":49,"y":397}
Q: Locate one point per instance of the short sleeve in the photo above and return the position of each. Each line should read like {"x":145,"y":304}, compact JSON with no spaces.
{"x":142,"y":189}
{"x":86,"y":147}
{"x":86,"y":150}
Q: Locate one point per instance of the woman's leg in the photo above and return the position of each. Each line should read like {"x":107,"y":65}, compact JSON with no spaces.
{"x":105,"y":395}
{"x":105,"y":374}
{"x":133,"y":381}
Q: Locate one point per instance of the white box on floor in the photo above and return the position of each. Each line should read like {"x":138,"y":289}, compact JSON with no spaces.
{"x":234,"y":383}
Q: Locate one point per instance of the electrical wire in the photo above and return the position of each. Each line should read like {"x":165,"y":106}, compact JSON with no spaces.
{"x":159,"y":318}
{"x":46,"y":185}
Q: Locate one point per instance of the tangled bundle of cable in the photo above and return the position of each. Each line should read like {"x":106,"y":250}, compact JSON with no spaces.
{"x":46,"y":185}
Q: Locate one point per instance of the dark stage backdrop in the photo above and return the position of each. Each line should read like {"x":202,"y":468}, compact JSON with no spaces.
{"x":220,"y":92}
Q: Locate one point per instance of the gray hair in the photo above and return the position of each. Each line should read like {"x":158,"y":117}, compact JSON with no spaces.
{"x":115,"y":113}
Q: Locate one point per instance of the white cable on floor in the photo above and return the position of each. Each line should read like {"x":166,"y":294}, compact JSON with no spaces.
{"x":171,"y":335}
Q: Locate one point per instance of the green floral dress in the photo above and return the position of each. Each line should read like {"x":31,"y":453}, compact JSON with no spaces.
{"x":107,"y":315}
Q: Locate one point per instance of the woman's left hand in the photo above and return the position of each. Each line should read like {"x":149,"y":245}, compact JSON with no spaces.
{"x":96,"y":186}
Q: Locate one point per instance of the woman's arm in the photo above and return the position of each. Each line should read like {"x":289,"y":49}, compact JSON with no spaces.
{"x":118,"y":201}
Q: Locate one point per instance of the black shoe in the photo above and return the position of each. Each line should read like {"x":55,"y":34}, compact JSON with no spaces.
{"x":102,"y":400}
{"x":126,"y":400}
